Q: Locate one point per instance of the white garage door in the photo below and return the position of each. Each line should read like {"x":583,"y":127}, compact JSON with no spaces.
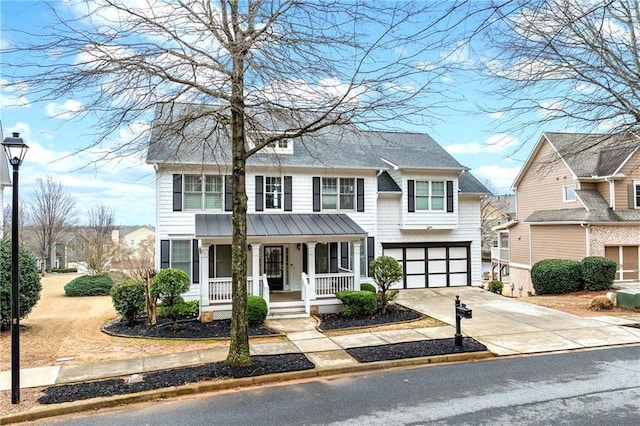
{"x":428,"y":265}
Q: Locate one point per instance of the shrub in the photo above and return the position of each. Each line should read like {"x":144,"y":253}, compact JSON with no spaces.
{"x":385,"y":271}
{"x":600,"y":303}
{"x":556,"y":276}
{"x":168,"y":286}
{"x":190,"y":308}
{"x":128,"y":299}
{"x":30,"y":285}
{"x":358,"y":303}
{"x":89,"y":285}
{"x":256,"y":310}
{"x":368,"y":287}
{"x":598,"y":273}
{"x":495,"y":286}
{"x":64,"y":270}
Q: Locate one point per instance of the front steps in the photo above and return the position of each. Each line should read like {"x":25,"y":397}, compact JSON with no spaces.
{"x":291,"y":309}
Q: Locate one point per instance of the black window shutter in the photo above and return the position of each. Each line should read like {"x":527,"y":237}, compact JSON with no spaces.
{"x":360,"y":195}
{"x":259,"y":193}
{"x":228,"y":193}
{"x":177,"y":193}
{"x":288,"y":194}
{"x":450,"y":196}
{"x":212,"y":261}
{"x":165,"y":246}
{"x":195,"y":262}
{"x":316,"y":194}
{"x":411,"y":195}
{"x":333,"y":257}
{"x":371,"y":252}
{"x":344,"y":255}
{"x":305,"y":255}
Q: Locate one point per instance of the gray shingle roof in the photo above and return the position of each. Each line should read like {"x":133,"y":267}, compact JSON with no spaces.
{"x":387,"y":184}
{"x":470,"y":185}
{"x":591,"y":155}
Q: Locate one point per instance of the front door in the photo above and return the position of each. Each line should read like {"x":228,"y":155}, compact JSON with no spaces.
{"x":273,"y":262}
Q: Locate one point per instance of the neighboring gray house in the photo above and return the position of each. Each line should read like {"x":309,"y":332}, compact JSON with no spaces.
{"x":320,"y":209}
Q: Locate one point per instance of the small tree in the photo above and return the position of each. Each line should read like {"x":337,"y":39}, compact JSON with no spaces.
{"x":385,"y":271}
{"x":168,"y":286}
{"x":30,"y":285}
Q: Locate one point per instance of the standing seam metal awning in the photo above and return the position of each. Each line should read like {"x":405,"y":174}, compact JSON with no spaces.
{"x":279,"y":225}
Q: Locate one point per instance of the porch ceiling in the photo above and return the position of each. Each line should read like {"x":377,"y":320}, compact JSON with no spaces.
{"x":279,"y":225}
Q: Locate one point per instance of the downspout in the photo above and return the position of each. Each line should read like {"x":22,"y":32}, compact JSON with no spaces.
{"x":587,"y":227}
{"x":612,"y":193}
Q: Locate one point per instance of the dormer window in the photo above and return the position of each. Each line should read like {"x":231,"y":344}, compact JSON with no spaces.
{"x":569,"y":193}
{"x":280,"y":146}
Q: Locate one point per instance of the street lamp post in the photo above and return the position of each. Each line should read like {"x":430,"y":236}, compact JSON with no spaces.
{"x":16,"y":149}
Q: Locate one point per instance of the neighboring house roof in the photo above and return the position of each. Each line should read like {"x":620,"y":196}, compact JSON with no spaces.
{"x":587,"y":155}
{"x":220,"y":225}
{"x":387,"y":184}
{"x":468,"y":184}
{"x":596,"y":210}
{"x":207,"y":141}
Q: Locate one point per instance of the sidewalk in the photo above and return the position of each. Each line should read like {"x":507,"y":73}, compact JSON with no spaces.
{"x":505,"y":326}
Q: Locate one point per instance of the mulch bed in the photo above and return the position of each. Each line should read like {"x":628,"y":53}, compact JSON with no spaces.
{"x":190,"y":328}
{"x":636,"y":325}
{"x":415,"y":349}
{"x":262,"y":364}
{"x":395,"y":314}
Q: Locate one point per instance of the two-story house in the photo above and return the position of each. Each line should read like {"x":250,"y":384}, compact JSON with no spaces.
{"x":320,"y":209}
{"x":577,"y":195}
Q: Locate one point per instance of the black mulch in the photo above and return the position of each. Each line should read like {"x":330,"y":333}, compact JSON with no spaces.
{"x":415,"y":349}
{"x":636,"y":325}
{"x":395,"y":313}
{"x":187,"y":329}
{"x":262,"y":364}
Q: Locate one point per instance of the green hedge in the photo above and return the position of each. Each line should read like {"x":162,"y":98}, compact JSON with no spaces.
{"x":495,"y":286}
{"x":30,"y":285}
{"x":256,"y":310}
{"x":358,"y":303}
{"x":129,"y":299}
{"x":556,"y":276}
{"x":64,"y":270}
{"x":368,"y":287}
{"x":598,"y":273}
{"x":89,"y":285}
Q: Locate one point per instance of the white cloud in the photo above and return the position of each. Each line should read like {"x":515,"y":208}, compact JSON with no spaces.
{"x":500,"y":178}
{"x":550,"y":109}
{"x":498,"y":115}
{"x":67,"y":110}
{"x":11,"y":95}
{"x":494,"y":144}
{"x":470,"y":148}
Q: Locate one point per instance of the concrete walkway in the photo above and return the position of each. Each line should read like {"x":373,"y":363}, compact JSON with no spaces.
{"x":506,"y":326}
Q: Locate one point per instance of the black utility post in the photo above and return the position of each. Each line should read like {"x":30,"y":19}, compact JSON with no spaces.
{"x":16,"y":149}
{"x":461,"y":312}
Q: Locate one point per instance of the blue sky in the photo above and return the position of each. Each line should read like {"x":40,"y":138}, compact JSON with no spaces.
{"x":127,"y":184}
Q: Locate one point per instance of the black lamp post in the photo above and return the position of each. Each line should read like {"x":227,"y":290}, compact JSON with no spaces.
{"x":16,"y":149}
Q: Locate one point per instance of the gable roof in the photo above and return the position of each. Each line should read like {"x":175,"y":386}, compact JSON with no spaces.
{"x":468,"y":184}
{"x":587,"y":155}
{"x":387,"y":184}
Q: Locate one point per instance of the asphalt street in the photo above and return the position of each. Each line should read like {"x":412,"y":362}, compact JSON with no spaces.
{"x":594,"y":387}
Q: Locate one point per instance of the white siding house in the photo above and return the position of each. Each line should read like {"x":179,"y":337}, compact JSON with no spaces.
{"x":319,"y":210}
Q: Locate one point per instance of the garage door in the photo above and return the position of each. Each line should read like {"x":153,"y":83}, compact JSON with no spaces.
{"x":428,"y":265}
{"x":627,"y":260}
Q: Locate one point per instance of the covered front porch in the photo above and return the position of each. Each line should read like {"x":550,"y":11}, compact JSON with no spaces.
{"x":293,"y":261}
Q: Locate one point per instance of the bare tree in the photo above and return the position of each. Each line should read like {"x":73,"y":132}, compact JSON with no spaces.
{"x":94,"y":245}
{"x":257,"y":66}
{"x":575,"y":63}
{"x":494,"y":210}
{"x":51,"y":213}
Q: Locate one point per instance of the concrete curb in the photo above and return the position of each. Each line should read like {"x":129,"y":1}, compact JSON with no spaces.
{"x":225,"y":384}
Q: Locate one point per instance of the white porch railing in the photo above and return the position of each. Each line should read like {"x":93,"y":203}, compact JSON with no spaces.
{"x":327,"y":285}
{"x":498,"y":253}
{"x":306,"y":293}
{"x":220,"y":289}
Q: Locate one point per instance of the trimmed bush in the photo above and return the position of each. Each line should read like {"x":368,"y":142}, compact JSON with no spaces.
{"x":598,"y":273}
{"x":191,"y":308}
{"x":168,"y":286}
{"x":256,"y":310}
{"x":89,"y":285}
{"x":64,"y":270}
{"x":601,"y":303}
{"x":30,"y":285}
{"x":358,"y":303}
{"x":368,"y":287}
{"x":128,"y":299}
{"x":495,"y":286}
{"x":556,"y":276}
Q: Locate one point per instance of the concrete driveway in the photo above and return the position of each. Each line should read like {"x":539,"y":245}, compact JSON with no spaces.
{"x":507,"y":326}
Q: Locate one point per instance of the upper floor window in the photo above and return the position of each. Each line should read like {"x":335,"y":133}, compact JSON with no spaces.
{"x":569,"y":193}
{"x":338,"y":193}
{"x":636,"y":195}
{"x":273,"y":192}
{"x":203,"y":192}
{"x":280,"y":146}
{"x":429,"y":195}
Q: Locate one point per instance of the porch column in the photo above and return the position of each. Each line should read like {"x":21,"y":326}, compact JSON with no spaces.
{"x":356,"y":265}
{"x":204,"y":275}
{"x":311,"y":269}
{"x":255,"y":268}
